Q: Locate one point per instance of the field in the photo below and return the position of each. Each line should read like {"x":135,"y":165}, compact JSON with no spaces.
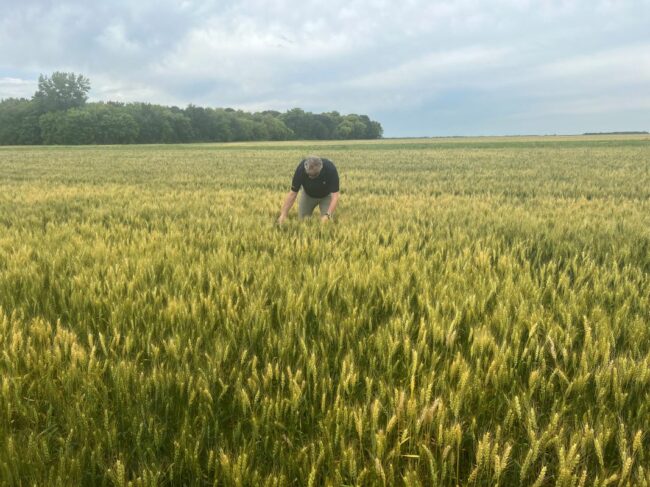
{"x":477,"y":314}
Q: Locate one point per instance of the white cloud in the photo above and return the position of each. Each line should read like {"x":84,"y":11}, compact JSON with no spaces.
{"x":436,"y":67}
{"x":115,"y":38}
{"x":610,"y":66}
{"x":17,"y":88}
{"x":599,"y":104}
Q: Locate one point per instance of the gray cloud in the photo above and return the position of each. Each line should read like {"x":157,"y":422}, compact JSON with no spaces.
{"x":420,"y":67}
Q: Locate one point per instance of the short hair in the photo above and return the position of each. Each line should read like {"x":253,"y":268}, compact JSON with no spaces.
{"x":313,"y":165}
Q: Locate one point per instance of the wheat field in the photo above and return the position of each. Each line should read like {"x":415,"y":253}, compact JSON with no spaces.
{"x":478,"y":313}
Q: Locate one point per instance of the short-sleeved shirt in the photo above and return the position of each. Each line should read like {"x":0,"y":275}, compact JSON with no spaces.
{"x":327,"y":181}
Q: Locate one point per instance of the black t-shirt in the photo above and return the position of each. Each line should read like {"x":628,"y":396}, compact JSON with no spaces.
{"x":327,"y":181}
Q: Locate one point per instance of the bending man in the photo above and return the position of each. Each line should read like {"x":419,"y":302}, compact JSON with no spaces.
{"x":320,"y":182}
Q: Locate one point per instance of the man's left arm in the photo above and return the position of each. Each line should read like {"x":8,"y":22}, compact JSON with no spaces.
{"x":332,"y":207}
{"x":334,"y":191}
{"x":335,"y":200}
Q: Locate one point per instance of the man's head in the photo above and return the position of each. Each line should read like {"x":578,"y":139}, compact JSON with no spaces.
{"x":313,"y":166}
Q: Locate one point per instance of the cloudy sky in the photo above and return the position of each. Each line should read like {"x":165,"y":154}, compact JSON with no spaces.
{"x":421,"y":68}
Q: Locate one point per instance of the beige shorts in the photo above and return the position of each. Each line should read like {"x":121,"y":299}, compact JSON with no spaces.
{"x":307,"y":204}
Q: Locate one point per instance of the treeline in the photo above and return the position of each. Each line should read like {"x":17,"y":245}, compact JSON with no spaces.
{"x":630,"y":132}
{"x":58,"y":113}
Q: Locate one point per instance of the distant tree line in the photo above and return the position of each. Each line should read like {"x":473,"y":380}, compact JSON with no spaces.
{"x":630,"y":132}
{"x":58,"y":113}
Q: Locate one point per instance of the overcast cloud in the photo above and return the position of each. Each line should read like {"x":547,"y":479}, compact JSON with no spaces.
{"x":464,"y":67}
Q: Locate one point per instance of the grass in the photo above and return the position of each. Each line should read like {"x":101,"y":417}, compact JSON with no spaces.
{"x":476,"y":315}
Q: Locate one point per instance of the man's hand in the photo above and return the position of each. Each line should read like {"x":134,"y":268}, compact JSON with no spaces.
{"x":324,"y":219}
{"x":286,"y":206}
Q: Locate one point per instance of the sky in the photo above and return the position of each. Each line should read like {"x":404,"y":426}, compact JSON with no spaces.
{"x":420,"y":68}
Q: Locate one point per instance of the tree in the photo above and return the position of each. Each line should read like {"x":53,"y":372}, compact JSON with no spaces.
{"x":296,"y":120}
{"x":203,"y":123}
{"x":58,"y":114}
{"x":113,"y":125}
{"x":344,"y":130}
{"x":223,"y":131}
{"x":53,"y":127}
{"x":276,"y":129}
{"x":19,"y":122}
{"x":154,"y":124}
{"x":74,"y":126}
{"x":242,"y":128}
{"x":61,"y":91}
{"x":375,"y":130}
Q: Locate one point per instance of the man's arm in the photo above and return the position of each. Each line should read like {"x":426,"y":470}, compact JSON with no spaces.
{"x":335,"y":200}
{"x":286,"y":206}
{"x":332,"y":207}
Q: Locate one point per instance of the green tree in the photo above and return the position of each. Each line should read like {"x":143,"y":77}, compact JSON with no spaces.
{"x":80,"y":126}
{"x":61,"y":91}
{"x":276,"y":129}
{"x":329,"y":121}
{"x":154,"y":123}
{"x":242,"y":128}
{"x":344,"y":130}
{"x":58,"y":114}
{"x":53,"y":127}
{"x":72,"y":127}
{"x":375,"y":130}
{"x":181,"y":125}
{"x":203,"y":123}
{"x":113,"y":125}
{"x":223,"y":130}
{"x":296,"y":120}
{"x":19,"y":122}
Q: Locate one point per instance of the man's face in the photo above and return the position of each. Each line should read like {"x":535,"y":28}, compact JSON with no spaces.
{"x":313,"y":173}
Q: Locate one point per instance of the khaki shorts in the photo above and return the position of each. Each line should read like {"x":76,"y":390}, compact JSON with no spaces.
{"x":307,"y":204}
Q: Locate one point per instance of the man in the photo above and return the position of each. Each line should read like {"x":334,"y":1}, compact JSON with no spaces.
{"x":320,"y":182}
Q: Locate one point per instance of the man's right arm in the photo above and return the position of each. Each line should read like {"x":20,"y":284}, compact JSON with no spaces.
{"x":286,"y":206}
{"x":296,"y":182}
